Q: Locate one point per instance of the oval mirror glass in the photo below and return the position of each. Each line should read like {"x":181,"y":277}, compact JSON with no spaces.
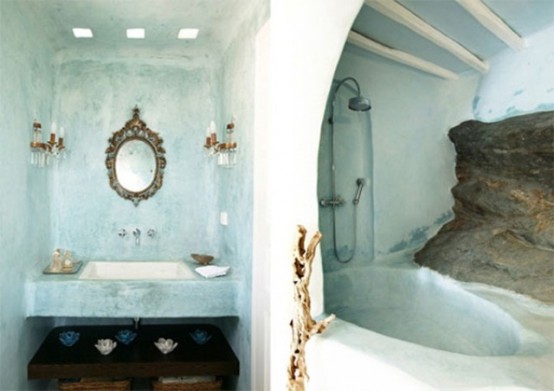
{"x":135,"y":165}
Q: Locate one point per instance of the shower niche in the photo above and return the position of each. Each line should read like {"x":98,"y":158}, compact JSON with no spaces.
{"x":345,"y":176}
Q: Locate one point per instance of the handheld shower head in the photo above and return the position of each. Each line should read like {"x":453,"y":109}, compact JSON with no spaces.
{"x":360,"y":182}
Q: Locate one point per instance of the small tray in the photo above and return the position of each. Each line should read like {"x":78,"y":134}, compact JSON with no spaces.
{"x":73,"y":270}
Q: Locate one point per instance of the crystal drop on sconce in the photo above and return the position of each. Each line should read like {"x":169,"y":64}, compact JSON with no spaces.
{"x":226,"y":151}
{"x":41,"y":152}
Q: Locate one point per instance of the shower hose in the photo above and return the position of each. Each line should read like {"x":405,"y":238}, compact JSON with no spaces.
{"x":335,"y":235}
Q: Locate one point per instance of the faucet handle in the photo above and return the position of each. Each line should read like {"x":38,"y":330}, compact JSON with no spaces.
{"x":122,"y":233}
{"x":151,"y":232}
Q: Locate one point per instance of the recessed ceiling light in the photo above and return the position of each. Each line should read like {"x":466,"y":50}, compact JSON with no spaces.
{"x":82,"y":33}
{"x":188,"y":34}
{"x":135,"y":33}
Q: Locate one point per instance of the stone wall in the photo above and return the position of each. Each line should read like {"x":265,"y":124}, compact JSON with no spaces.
{"x":503,"y":230}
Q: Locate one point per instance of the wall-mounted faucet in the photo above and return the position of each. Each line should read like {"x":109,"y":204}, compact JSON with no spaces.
{"x":136,"y":234}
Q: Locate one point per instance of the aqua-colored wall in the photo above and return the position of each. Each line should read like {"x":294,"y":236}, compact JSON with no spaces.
{"x":402,"y":147}
{"x":518,"y":82}
{"x":26,"y":80}
{"x":235,"y":185}
{"x":94,"y":98}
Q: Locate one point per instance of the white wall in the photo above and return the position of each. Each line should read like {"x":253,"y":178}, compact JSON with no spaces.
{"x":260,"y":355}
{"x":307,"y":38}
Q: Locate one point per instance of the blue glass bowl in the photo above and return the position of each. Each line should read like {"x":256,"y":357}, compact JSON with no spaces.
{"x":68,"y":338}
{"x":125,"y":336}
{"x":200,"y":336}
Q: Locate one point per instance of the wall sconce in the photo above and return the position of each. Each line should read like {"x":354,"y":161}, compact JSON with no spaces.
{"x":42,"y":152}
{"x":226,"y":152}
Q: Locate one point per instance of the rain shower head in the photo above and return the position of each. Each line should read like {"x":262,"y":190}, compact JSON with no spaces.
{"x":359,"y":103}
{"x":356,"y":103}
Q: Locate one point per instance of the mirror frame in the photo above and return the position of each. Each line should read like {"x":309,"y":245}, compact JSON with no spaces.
{"x":135,"y":129}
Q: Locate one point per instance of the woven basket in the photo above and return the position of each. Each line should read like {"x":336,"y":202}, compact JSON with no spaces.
{"x":201,"y":386}
{"x":96,"y":384}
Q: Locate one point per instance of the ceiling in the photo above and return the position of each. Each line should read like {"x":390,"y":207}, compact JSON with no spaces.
{"x":524,"y":17}
{"x":217,"y":20}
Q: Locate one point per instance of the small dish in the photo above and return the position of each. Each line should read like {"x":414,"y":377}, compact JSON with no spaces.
{"x":165,"y":345}
{"x":202,"y":259}
{"x":126,"y":336}
{"x":69,"y":338}
{"x":105,"y":346}
{"x":200,"y":336}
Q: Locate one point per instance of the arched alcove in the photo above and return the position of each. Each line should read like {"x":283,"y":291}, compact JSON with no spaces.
{"x":307,"y":39}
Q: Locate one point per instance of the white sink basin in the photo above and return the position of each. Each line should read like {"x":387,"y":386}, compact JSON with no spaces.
{"x":132,"y":270}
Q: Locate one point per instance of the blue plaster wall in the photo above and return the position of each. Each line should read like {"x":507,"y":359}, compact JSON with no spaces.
{"x":94,"y":98}
{"x":236,"y":184}
{"x":518,"y":82}
{"x":409,"y":160}
{"x":26,"y":80}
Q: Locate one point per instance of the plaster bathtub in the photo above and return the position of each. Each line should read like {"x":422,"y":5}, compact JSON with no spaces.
{"x":413,"y":329}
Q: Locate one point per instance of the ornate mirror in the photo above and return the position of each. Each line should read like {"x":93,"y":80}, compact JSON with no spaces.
{"x":135,"y":160}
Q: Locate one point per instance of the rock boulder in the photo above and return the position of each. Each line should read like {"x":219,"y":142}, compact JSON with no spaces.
{"x":503,"y":230}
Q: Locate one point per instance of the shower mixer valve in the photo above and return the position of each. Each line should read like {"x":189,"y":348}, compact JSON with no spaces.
{"x":333,"y":202}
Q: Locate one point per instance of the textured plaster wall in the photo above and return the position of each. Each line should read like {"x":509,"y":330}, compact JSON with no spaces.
{"x":235,"y":185}
{"x":94,"y":98}
{"x":411,"y":159}
{"x":518,"y":82}
{"x":26,"y":80}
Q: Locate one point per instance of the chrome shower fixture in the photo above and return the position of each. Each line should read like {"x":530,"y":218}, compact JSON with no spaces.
{"x":356,"y":103}
{"x":360,"y":182}
{"x":359,"y":103}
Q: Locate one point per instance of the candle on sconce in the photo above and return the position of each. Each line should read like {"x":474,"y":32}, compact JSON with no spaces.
{"x":53,"y":133}
{"x":60,"y":139}
{"x":208,"y":137}
{"x":213,"y":134}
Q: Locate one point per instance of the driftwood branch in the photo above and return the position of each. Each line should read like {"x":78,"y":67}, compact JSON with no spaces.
{"x":303,"y":326}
